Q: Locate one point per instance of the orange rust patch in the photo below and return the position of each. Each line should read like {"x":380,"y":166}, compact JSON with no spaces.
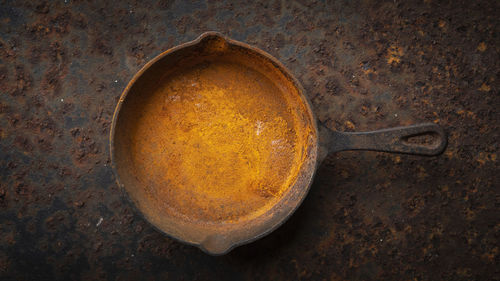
{"x":484,"y":88}
{"x":482,"y":47}
{"x":217,"y":141}
{"x":486,"y":157}
{"x":442,"y":24}
{"x":394,"y":54}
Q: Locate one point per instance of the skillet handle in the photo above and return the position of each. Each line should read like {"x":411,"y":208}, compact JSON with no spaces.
{"x":396,"y":140}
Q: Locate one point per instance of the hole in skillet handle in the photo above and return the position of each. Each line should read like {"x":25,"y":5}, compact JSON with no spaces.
{"x":424,"y":139}
{"x":429,"y":139}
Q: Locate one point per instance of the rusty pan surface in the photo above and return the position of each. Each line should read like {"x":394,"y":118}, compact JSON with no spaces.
{"x":213,"y":141}
{"x":216,"y":144}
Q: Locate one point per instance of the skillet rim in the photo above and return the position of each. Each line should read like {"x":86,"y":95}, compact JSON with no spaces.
{"x":305,"y":186}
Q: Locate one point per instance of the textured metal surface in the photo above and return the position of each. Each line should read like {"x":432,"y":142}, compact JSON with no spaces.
{"x":364,"y":65}
{"x":214,"y":142}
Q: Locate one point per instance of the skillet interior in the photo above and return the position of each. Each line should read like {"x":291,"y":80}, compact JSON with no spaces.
{"x":210,"y":136}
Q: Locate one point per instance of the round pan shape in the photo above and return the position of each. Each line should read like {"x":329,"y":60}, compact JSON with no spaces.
{"x":216,"y":144}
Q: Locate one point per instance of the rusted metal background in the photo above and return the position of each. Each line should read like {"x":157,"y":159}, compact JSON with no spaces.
{"x":365,"y":65}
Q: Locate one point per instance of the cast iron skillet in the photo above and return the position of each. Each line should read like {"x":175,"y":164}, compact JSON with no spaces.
{"x":139,"y":154}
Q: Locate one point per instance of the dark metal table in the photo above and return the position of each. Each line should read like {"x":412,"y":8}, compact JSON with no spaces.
{"x":364,"y":64}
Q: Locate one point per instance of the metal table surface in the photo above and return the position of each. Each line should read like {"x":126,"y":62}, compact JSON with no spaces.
{"x":364,"y":64}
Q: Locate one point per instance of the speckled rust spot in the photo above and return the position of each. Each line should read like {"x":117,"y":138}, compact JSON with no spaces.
{"x":394,"y":54}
